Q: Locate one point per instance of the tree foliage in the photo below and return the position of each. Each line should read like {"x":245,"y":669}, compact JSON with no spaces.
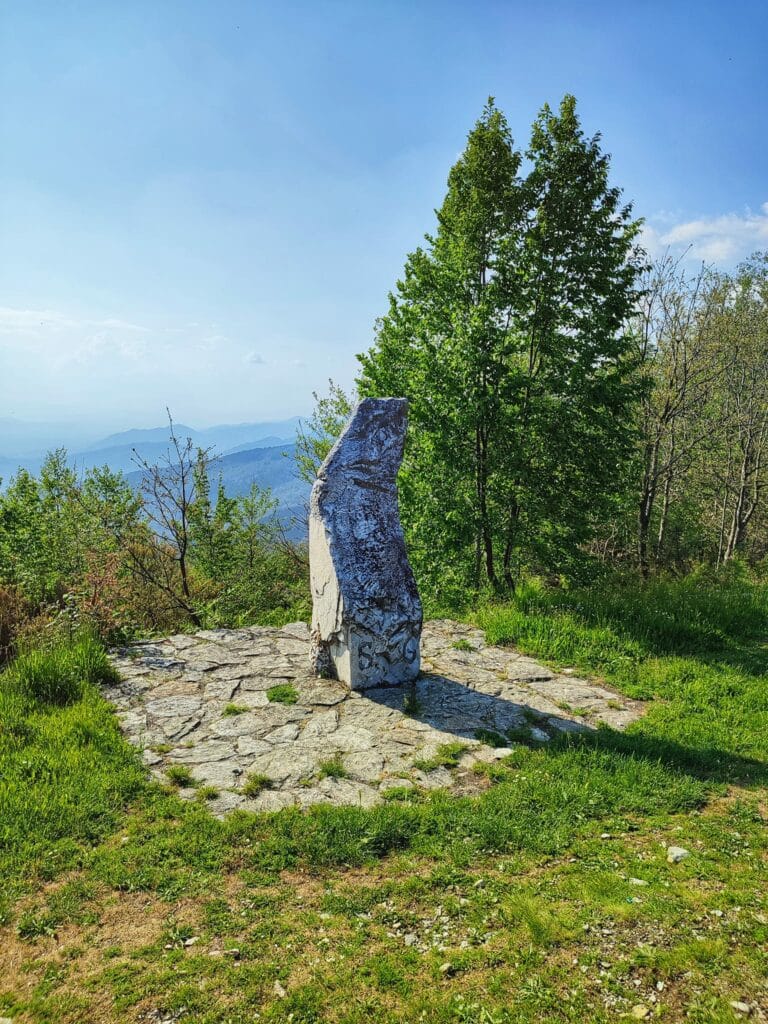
{"x":316,"y":436}
{"x":508,"y":335}
{"x":90,"y":549}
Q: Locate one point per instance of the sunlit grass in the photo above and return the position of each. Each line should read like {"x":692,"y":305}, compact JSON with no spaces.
{"x":555,"y":898}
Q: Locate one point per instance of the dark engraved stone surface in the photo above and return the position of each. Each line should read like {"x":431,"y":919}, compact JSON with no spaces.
{"x":366,"y":618}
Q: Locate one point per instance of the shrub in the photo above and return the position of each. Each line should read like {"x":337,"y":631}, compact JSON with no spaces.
{"x":58,"y":674}
{"x":234,"y":709}
{"x":180,"y":775}
{"x":333,"y":768}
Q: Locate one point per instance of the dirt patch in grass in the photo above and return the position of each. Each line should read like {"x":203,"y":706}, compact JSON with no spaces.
{"x":124,"y":922}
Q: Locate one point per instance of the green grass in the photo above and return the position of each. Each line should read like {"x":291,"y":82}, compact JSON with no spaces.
{"x":520,"y":904}
{"x":231,"y":710}
{"x":696,"y":648}
{"x":411,"y":703}
{"x":256,"y":783}
{"x":332,"y":768}
{"x":67,"y":775}
{"x":462,"y":645}
{"x":447,"y":756}
{"x":491,"y":738}
{"x":58,"y":674}
{"x":283,"y":693}
{"x":180,"y":775}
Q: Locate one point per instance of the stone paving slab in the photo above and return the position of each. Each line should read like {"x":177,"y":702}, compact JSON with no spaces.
{"x":203,"y":700}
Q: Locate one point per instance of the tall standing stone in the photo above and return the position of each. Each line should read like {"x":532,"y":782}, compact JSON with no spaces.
{"x":366,"y":612}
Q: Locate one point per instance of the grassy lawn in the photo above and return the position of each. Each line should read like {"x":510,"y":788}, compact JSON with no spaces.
{"x":549,"y":897}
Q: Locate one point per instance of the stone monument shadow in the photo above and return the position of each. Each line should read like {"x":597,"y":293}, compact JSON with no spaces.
{"x":463,"y":712}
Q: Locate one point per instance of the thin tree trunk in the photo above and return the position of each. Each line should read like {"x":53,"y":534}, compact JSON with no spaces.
{"x":721,"y":539}
{"x":514,"y":514}
{"x":645,"y":511}
{"x":664,"y":515}
{"x":740,"y":516}
{"x":490,"y":568}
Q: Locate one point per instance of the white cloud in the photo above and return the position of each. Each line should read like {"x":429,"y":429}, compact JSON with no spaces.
{"x":62,"y":338}
{"x":726,"y":238}
{"x":255,"y":359}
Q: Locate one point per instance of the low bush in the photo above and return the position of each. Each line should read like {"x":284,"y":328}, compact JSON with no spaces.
{"x":14,"y":611}
{"x":57,"y":674}
{"x":283,"y":693}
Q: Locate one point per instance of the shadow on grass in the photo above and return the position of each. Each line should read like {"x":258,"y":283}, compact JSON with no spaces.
{"x":462,"y":713}
{"x":706,"y":763}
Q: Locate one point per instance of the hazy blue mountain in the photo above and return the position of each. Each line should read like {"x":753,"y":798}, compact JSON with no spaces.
{"x":10,"y":467}
{"x":224,"y":437}
{"x":120,"y":458}
{"x":119,"y":451}
{"x":140,"y":436}
{"x":268,"y":467}
{"x":265,"y":442}
{"x":274,"y":468}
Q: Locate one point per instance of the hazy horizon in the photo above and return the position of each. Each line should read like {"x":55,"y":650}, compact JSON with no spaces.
{"x":30,"y":440}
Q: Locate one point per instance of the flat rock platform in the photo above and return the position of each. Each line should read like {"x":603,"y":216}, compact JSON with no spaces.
{"x":240,"y":710}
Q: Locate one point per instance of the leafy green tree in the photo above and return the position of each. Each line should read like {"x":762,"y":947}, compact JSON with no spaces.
{"x":742,"y":333}
{"x":445,"y":345}
{"x":22,"y":551}
{"x":315,"y":438}
{"x":239,"y":557}
{"x":265,"y":574}
{"x":210,"y":524}
{"x":507,"y":335}
{"x":50,"y":526}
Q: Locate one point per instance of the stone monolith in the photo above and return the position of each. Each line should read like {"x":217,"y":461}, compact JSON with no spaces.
{"x":366,"y":612}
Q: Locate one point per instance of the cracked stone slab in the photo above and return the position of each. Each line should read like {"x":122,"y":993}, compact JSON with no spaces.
{"x":380,"y":737}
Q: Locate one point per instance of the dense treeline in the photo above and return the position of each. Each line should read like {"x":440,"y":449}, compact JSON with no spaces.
{"x":571,"y":406}
{"x":574,"y":408}
{"x":702,"y":348}
{"x":509,"y":334}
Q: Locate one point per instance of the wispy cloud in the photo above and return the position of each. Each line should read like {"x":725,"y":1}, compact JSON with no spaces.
{"x":722,"y":239}
{"x":17,"y":321}
{"x":103,"y":367}
{"x":62,"y":338}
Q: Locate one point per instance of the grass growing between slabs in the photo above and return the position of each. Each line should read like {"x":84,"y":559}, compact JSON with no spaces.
{"x":548,"y":897}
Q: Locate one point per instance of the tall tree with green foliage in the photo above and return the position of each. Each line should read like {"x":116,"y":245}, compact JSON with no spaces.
{"x":507,"y":334}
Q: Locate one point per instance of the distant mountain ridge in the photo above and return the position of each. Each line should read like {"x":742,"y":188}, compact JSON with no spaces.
{"x":273,"y":467}
{"x":268,"y":467}
{"x":242,"y":454}
{"x":31,"y":441}
{"x":224,"y":436}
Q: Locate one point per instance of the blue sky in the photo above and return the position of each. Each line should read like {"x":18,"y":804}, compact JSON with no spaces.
{"x":204,"y":205}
